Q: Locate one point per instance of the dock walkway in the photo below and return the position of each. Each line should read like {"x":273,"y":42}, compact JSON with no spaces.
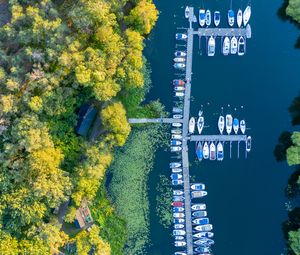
{"x":158,"y":120}
{"x":219,"y":138}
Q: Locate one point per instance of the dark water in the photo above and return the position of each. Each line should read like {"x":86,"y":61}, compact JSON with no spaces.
{"x":246,"y":201}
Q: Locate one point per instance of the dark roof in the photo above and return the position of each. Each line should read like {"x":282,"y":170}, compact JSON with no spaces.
{"x":87,"y":114}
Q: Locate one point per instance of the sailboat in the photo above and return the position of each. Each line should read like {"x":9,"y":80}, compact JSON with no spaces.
{"x":192,"y":123}
{"x":211,"y":47}
{"x":221,"y":124}
{"x":208,"y":18}
{"x":220,"y":151}
{"x":241,"y":46}
{"x":243,"y":126}
{"x":230,"y":16}
{"x":228,"y":123}
{"x":236,"y":125}
{"x":217,"y":18}
{"x":205,"y":151}
{"x":202,"y":17}
{"x":226,"y":46}
{"x":239,"y":18}
{"x":199,"y":151}
{"x":187,"y":12}
{"x":247,"y":15}
{"x":200,"y":122}
{"x":212,"y":151}
{"x":233,"y":45}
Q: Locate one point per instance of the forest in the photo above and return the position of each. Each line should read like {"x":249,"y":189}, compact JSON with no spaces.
{"x":54,"y":57}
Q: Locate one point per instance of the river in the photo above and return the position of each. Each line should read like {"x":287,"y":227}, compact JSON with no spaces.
{"x":246,"y":202}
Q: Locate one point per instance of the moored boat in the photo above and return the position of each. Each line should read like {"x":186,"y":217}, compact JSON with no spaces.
{"x":178,"y":209}
{"x":187,"y":12}
{"x":178,"y":203}
{"x":211,"y":47}
{"x":239,"y":18}
{"x":179,"y":244}
{"x":203,"y":250}
{"x":198,"y":194}
{"x":202,"y":16}
{"x":198,"y":186}
{"x":176,"y":170}
{"x":246,"y":15}
{"x":178,"y":220}
{"x":192,"y":123}
{"x":198,"y":207}
{"x":179,"y":88}
{"x":176,"y":124}
{"x":180,"y":253}
{"x":221,"y":124}
{"x":243,"y":126}
{"x":179,"y":65}
{"x":226,"y":46}
{"x":206,"y":228}
{"x":200,"y":122}
{"x":220,"y":151}
{"x":177,"y":116}
{"x":178,"y":60}
{"x":178,"y":226}
{"x":178,"y":215}
{"x":176,"y":148}
{"x":241,"y":46}
{"x":174,"y":164}
{"x":199,"y":214}
{"x":180,"y":36}
{"x":204,"y":241}
{"x":179,"y":232}
{"x":179,"y":94}
{"x":177,"y":192}
{"x":236,"y":125}
{"x":176,"y":176}
{"x":175,"y":136}
{"x":230,"y":16}
{"x":212,"y":151}
{"x":201,"y":221}
{"x":199,"y":151}
{"x":217,"y":18}
{"x":203,"y":234}
{"x":178,"y":82}
{"x":228,"y":123}
{"x":180,"y":54}
{"x":179,"y":238}
{"x":175,"y":142}
{"x":205,"y":151}
{"x":233,"y":45}
{"x":208,"y":18}
{"x":248,"y":31}
{"x":176,"y":131}
{"x":248,"y":143}
{"x":177,"y":182}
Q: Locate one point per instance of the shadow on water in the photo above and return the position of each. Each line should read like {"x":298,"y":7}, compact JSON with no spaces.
{"x":284,"y":142}
{"x":294,"y":110}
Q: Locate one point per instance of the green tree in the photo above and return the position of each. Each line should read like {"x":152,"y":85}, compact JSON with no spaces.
{"x":293,"y":9}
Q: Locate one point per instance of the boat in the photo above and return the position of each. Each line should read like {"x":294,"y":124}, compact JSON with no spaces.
{"x":176,"y":170}
{"x":226,"y":46}
{"x":192,"y":125}
{"x":176,"y":131}
{"x":177,"y":110}
{"x":233,"y":45}
{"x":236,"y":125}
{"x":176,"y":148}
{"x":179,"y":253}
{"x":175,"y":142}
{"x":243,"y":126}
{"x":211,"y":47}
{"x":178,"y":226}
{"x":178,"y":198}
{"x":248,"y":143}
{"x":177,"y":182}
{"x":200,"y":214}
{"x":178,"y":220}
{"x":198,"y":194}
{"x":248,"y":31}
{"x":201,"y":221}
{"x":239,"y":18}
{"x":200,"y":122}
{"x":228,"y":123}
{"x":179,"y":94}
{"x":205,"y":151}
{"x":176,"y":124}
{"x":246,"y":15}
{"x":220,"y":151}
{"x":180,"y":36}
{"x":204,"y":234}
{"x":197,"y":207}
{"x":207,"y":227}
{"x":204,"y":241}
{"x":199,"y":151}
{"x":177,"y":116}
{"x":179,"y":88}
{"x":180,"y":54}
{"x":217,"y":18}
{"x":221,"y":124}
{"x":178,"y":60}
{"x":208,"y":18}
{"x":179,"y":244}
{"x":178,"y":82}
{"x":179,"y":65}
{"x":187,"y":12}
{"x":212,"y":151}
{"x":178,"y":203}
{"x":198,"y":186}
{"x":178,"y":215}
{"x":176,"y":176}
{"x":175,"y":164}
{"x":203,"y":250}
{"x":241,"y":46}
{"x":179,"y":238}
{"x":179,"y":232}
{"x":202,"y":17}
{"x":230,"y":16}
{"x":176,"y":136}
{"x":177,"y":192}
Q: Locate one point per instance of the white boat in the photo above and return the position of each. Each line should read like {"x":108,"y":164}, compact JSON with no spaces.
{"x":198,"y":186}
{"x":204,"y":234}
{"x":179,"y":232}
{"x":248,"y":143}
{"x":176,"y":148}
{"x":241,"y":46}
{"x":204,"y":242}
{"x":230,"y":16}
{"x":175,"y":142}
{"x":177,"y":192}
{"x":202,"y":17}
{"x":177,"y":182}
{"x":176,"y":170}
{"x":176,"y":124}
{"x":178,"y":220}
{"x":201,"y":221}
{"x":178,"y":215}
{"x":198,"y":194}
{"x":179,"y":94}
{"x":221,"y":124}
{"x":228,"y":123}
{"x":239,"y":18}
{"x":207,"y":227}
{"x":187,"y":12}
{"x":180,"y":36}
{"x":243,"y":126}
{"x":192,"y":123}
{"x":179,"y":65}
{"x":233,"y":45}
{"x":236,"y":125}
{"x":179,"y":238}
{"x":200,"y":122}
{"x":207,"y":17}
{"x":176,"y":136}
{"x":217,"y":18}
{"x":179,"y":88}
{"x":179,"y":253}
{"x":247,"y":15}
{"x":220,"y":151}
{"x":212,"y":151}
{"x":175,"y":164}
{"x":178,"y":226}
{"x":205,"y":151}
{"x":211,"y":47}
{"x":248,"y":31}
{"x":197,"y":207}
{"x":180,"y":54}
{"x":177,"y":116}
{"x":178,"y":60}
{"x":179,"y":244}
{"x":176,"y":131}
{"x":226,"y":46}
{"x":199,"y":214}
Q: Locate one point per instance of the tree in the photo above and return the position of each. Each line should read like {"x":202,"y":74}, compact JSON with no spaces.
{"x":294,"y":241}
{"x":293,"y":152}
{"x":293,"y":9}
